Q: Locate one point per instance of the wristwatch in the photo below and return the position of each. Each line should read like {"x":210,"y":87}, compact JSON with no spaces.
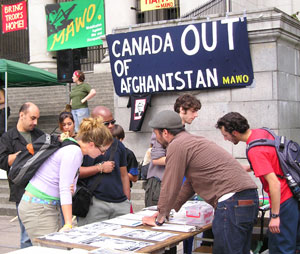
{"x":159,"y":223}
{"x":274,"y":215}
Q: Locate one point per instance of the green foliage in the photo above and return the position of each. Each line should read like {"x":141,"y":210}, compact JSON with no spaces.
{"x":295,"y":15}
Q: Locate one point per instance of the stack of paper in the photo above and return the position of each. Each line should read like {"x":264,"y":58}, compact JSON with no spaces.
{"x":124,"y":222}
{"x":141,"y":234}
{"x":176,"y":227}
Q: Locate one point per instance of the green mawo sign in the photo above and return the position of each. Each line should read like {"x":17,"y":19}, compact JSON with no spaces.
{"x":75,"y":24}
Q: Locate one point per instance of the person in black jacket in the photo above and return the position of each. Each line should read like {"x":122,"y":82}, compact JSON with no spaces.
{"x":11,"y":143}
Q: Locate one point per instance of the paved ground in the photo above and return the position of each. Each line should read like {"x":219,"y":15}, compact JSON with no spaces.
{"x":9,"y":234}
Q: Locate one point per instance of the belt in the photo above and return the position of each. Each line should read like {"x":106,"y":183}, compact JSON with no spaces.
{"x":39,"y":200}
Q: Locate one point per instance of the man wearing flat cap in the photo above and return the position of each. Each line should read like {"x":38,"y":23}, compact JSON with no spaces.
{"x":212,"y":173}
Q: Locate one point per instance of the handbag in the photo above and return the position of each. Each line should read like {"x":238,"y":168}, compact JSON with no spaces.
{"x":143,"y":171}
{"x":82,"y":198}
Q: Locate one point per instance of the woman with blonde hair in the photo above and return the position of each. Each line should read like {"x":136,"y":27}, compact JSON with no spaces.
{"x":49,"y":188}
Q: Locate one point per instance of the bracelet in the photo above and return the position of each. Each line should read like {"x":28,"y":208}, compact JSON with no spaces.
{"x":101,"y":167}
{"x":68,"y":226}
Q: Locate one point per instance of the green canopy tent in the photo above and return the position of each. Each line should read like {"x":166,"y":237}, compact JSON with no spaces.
{"x":15,"y":74}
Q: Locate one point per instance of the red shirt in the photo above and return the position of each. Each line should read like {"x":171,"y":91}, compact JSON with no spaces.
{"x":264,"y":160}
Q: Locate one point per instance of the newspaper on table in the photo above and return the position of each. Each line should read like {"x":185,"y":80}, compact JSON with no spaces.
{"x":79,"y":234}
{"x":151,"y":208}
{"x":176,"y":227}
{"x":141,"y":234}
{"x":137,"y":216}
{"x":107,"y":251}
{"x":116,"y":243}
{"x":124,"y":222}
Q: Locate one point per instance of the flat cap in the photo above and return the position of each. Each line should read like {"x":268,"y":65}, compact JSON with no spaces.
{"x":166,"y":119}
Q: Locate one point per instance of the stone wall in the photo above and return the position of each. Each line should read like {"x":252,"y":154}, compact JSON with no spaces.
{"x":274,"y":101}
{"x":52,"y":100}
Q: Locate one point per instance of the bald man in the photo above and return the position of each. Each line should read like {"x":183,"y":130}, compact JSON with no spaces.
{"x":14,"y":141}
{"x":111,"y":197}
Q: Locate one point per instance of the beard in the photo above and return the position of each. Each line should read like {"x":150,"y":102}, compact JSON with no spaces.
{"x":164,"y":143}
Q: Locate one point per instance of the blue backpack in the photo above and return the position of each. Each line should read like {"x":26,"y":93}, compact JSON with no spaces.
{"x":288,"y":153}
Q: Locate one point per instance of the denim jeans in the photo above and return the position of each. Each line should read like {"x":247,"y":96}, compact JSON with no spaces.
{"x":25,"y":240}
{"x":78,"y":115}
{"x":188,"y":245}
{"x":233,"y":223}
{"x":288,"y":240}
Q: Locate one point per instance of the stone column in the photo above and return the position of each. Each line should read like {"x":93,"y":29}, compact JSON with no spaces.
{"x":118,"y":13}
{"x":39,"y":56}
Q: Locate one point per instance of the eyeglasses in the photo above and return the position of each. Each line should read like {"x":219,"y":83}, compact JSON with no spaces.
{"x":112,"y":122}
{"x":102,"y":151}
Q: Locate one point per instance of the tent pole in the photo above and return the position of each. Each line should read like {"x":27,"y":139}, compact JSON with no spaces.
{"x":6,"y":101}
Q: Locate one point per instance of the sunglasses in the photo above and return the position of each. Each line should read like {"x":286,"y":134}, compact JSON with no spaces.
{"x":112,"y":122}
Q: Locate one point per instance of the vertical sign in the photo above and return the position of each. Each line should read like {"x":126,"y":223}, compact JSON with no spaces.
{"x":149,"y":5}
{"x":14,"y":17}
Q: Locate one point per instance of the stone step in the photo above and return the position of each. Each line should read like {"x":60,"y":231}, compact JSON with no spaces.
{"x":138,"y":205}
{"x":8,"y":209}
{"x":4,"y":182}
{"x":4,"y":189}
{"x":45,"y":123}
{"x":138,"y":184}
{"x":137,"y":194}
{"x":4,"y":197}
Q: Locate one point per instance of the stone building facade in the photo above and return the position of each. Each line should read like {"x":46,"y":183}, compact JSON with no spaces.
{"x":273,"y":101}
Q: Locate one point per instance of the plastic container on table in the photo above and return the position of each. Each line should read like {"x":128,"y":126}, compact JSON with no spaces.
{"x":200,"y":214}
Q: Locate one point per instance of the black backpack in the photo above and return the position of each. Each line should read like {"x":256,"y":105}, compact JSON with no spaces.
{"x":288,"y":153}
{"x":26,"y":163}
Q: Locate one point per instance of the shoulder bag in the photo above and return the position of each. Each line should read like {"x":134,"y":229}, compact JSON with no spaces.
{"x":82,"y":198}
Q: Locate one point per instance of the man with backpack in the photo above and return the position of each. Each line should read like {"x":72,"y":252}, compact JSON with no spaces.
{"x":284,"y":232}
{"x":14,"y":141}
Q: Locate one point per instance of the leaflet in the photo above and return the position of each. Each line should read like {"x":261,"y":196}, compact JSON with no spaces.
{"x":142,"y":234}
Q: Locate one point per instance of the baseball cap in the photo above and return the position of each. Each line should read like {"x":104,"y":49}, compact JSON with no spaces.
{"x":166,"y":119}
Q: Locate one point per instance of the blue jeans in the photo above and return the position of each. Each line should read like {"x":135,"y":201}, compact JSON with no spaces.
{"x":25,"y":240}
{"x":188,"y":245}
{"x":288,"y":240}
{"x":78,"y":115}
{"x":233,"y":223}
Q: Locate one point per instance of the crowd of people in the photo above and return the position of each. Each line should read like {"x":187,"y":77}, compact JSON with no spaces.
{"x":181,"y":165}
